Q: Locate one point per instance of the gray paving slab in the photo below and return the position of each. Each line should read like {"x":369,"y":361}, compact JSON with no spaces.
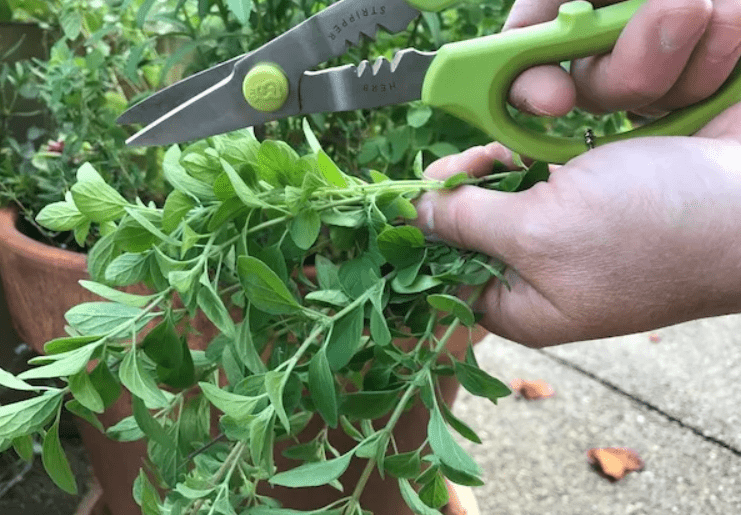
{"x":534,"y":452}
{"x":693,"y":372}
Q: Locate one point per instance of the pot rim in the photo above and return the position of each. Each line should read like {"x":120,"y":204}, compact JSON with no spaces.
{"x":11,"y":237}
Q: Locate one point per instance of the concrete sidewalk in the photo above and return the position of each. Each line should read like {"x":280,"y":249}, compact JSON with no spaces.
{"x":676,"y":402}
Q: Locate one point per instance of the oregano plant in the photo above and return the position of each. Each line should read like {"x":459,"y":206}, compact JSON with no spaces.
{"x":309,"y":275}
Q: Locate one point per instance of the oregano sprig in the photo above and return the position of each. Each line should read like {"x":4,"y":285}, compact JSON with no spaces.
{"x":308,"y":275}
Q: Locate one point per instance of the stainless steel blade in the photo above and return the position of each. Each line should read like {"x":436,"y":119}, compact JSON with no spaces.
{"x":167,"y":99}
{"x":366,"y":86}
{"x":325,"y":35}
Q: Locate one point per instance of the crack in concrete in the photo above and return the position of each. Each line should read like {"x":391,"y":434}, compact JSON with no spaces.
{"x":652,"y":407}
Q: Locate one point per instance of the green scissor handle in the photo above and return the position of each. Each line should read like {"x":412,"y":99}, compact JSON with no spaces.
{"x":472,"y":79}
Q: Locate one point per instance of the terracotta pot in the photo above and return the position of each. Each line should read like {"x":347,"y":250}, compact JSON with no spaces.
{"x":41,"y":285}
{"x":40,"y":282}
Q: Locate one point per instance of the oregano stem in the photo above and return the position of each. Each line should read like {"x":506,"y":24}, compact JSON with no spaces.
{"x":410,"y":391}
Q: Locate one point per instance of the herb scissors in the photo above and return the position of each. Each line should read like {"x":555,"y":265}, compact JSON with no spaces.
{"x":468,"y":79}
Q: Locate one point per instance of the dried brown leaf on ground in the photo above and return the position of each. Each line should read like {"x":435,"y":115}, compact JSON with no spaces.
{"x":615,"y":462}
{"x":532,"y":390}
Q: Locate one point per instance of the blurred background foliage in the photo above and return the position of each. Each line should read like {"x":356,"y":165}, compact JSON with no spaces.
{"x":106,"y":55}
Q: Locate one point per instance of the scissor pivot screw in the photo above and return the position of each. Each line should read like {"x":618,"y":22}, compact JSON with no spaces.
{"x":265,"y":87}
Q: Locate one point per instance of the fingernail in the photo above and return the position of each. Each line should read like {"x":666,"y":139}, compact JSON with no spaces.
{"x":724,"y":43}
{"x":678,"y":29}
{"x":425,"y":217}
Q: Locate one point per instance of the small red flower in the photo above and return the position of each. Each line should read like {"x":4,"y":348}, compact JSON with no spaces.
{"x":56,"y":146}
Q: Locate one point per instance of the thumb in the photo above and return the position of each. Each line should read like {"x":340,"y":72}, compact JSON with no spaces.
{"x":474,"y":218}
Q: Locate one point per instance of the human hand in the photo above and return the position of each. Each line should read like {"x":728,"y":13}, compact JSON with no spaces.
{"x":627,"y":237}
{"x":671,"y":54}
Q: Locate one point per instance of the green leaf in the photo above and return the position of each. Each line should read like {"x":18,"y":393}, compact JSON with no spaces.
{"x":100,"y":256}
{"x":345,"y":339}
{"x":183,"y":280}
{"x":239,"y":407}
{"x":148,"y":498}
{"x":537,"y":172}
{"x":330,"y":170}
{"x":55,"y":462}
{"x":401,"y":246}
{"x":23,"y":446}
{"x":458,"y":425}
{"x":418,"y":115}
{"x":228,"y":210}
{"x":305,"y":228}
{"x":8,"y":380}
{"x":60,"y":216}
{"x":456,"y":180}
{"x":83,"y":390}
{"x":100,"y":317}
{"x":202,"y":163}
{"x":190,"y":238}
{"x":480,"y":383}
{"x":25,"y":417}
{"x":277,"y":162}
{"x":98,"y":201}
{"x":59,"y":345}
{"x":127,"y":269}
{"x":213,"y":307}
{"x":149,"y":425}
{"x":327,"y":273}
{"x":192,"y":493}
{"x":310,"y":137}
{"x":264,"y":288}
{"x":454,"y":305}
{"x":74,"y":407}
{"x":162,"y":345}
{"x":64,"y":364}
{"x":442,"y":149}
{"x":71,"y":21}
{"x":332,"y":297}
{"x":435,"y":493}
{"x":245,"y":194}
{"x":379,"y":328}
{"x":245,"y":347}
{"x":147,"y":218}
{"x":108,"y":293}
{"x":417,"y":167}
{"x":412,"y":499}
{"x":369,"y":404}
{"x":421,"y":283}
{"x":322,"y":388}
{"x":310,"y":451}
{"x":139,"y":382}
{"x":176,"y":175}
{"x":275,"y":382}
{"x":241,"y":9}
{"x":6,"y":13}
{"x":177,"y":205}
{"x":405,"y":465}
{"x":237,"y":147}
{"x":131,"y":236}
{"x":126,"y":430}
{"x":105,"y":383}
{"x":81,"y":233}
{"x":261,"y":437}
{"x":313,"y":474}
{"x":446,"y":448}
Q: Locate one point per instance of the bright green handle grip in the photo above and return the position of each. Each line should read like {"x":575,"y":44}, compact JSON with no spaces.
{"x":472,"y":79}
{"x":431,"y":5}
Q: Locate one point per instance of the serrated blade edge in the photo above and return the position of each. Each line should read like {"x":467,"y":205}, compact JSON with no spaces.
{"x":366,"y":86}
